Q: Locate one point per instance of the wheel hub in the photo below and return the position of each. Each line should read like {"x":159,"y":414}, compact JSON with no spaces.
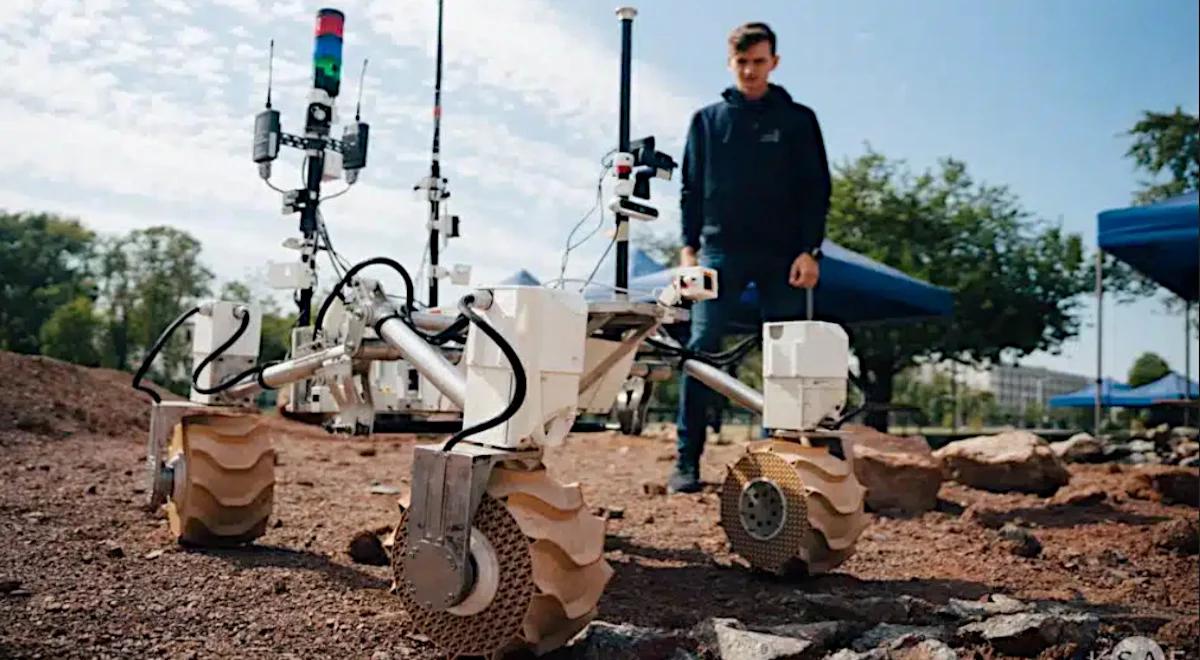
{"x":762,"y":509}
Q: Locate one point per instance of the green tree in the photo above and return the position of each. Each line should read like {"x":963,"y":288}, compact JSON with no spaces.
{"x":1167,"y":142}
{"x":43,"y":265}
{"x":70,"y":333}
{"x":1147,"y":368}
{"x":162,"y":277}
{"x":1170,"y":142}
{"x":1016,"y":281}
{"x":117,"y":296}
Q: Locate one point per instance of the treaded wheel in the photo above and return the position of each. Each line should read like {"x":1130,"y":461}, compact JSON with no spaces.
{"x":224,"y":479}
{"x":787,"y":508}
{"x":546,"y":551}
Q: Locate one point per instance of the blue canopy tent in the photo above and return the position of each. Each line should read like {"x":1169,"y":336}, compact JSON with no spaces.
{"x":1110,"y":393}
{"x":522,"y":278}
{"x":853,"y":289}
{"x":1161,"y":241}
{"x":1171,"y":387}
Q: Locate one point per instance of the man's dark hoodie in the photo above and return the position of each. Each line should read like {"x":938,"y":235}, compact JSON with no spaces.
{"x":755,"y":176}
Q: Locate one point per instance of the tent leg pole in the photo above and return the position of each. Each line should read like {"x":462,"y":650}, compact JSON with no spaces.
{"x":1099,"y":339}
{"x":1187,"y":361}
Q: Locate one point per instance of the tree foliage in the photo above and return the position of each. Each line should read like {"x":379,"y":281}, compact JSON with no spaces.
{"x":71,"y":333}
{"x":1171,"y":142}
{"x":1147,"y":368}
{"x":1016,"y":280}
{"x":43,"y":265}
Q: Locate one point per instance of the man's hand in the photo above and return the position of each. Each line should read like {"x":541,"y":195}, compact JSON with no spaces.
{"x":805,"y":272}
{"x":687,"y":257}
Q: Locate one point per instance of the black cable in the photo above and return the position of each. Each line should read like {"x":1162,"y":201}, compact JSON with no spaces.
{"x":453,"y":331}
{"x":464,"y":306}
{"x":354,"y":270}
{"x":258,"y":374}
{"x":154,"y":351}
{"x":724,"y":358}
{"x":237,"y":334}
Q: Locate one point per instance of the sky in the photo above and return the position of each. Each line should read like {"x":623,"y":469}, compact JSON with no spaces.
{"x":132,"y":113}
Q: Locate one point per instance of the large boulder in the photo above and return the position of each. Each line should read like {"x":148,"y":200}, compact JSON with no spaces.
{"x":899,"y":473}
{"x":1170,"y":485}
{"x":1013,"y":461}
{"x":1080,"y":448}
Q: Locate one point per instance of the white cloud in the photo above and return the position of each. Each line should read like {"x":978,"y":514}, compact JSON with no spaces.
{"x":190,"y":36}
{"x":174,"y":6}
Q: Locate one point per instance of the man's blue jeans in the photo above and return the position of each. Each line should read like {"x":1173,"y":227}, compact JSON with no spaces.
{"x":778,"y":301}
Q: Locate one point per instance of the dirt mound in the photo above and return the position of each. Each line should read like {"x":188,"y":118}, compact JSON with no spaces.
{"x":41,"y":397}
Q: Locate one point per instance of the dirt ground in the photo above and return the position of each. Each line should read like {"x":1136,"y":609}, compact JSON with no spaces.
{"x":86,"y":572}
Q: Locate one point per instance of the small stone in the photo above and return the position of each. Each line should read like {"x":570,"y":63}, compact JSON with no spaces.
{"x":36,"y":516}
{"x":9,"y":586}
{"x":615,"y":513}
{"x":306,"y":483}
{"x":366,"y":548}
{"x":1181,"y":535}
{"x":649,"y":520}
{"x":1086,"y":497}
{"x":113,"y":551}
{"x":154,"y":554}
{"x":384,"y":489}
{"x":652,"y":488}
{"x":91,"y":490}
{"x":277,"y":524}
{"x":1020,"y":541}
{"x":280,"y":587}
{"x":366,"y":451}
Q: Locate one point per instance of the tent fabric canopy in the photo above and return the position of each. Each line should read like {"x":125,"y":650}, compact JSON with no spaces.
{"x":1110,"y":393}
{"x":1169,"y":387}
{"x":1119,"y":395}
{"x":853,"y":289}
{"x":1161,"y":241}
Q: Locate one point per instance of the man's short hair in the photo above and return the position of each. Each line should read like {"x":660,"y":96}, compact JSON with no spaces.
{"x":745,"y":36}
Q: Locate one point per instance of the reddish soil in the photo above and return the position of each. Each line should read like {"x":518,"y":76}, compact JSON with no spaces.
{"x":98,"y":576}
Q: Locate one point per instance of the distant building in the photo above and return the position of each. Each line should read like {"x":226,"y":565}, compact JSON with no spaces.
{"x":1015,"y":388}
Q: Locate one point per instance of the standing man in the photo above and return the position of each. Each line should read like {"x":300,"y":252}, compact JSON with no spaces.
{"x":755,"y":195}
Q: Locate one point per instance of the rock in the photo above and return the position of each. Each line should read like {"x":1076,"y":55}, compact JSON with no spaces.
{"x":652,"y":488}
{"x":731,"y":641}
{"x":1186,"y":432}
{"x":153,"y":554}
{"x":1140,"y":447}
{"x":1085,"y":497}
{"x":975,"y":610}
{"x":885,"y":634}
{"x":1012,"y":461}
{"x":1028,"y":633}
{"x":1180,"y":535}
{"x":823,"y":634}
{"x":113,"y":551}
{"x":899,"y":473}
{"x":366,"y":548}
{"x":601,"y":640}
{"x":384,"y":489}
{"x":9,"y":586}
{"x":984,"y":516}
{"x":366,"y":451}
{"x":90,"y":490}
{"x":1184,"y":450}
{"x":926,"y":649}
{"x":280,"y":587}
{"x":1020,"y":541}
{"x":1171,"y":485}
{"x":872,"y":609}
{"x":1079,"y":448}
